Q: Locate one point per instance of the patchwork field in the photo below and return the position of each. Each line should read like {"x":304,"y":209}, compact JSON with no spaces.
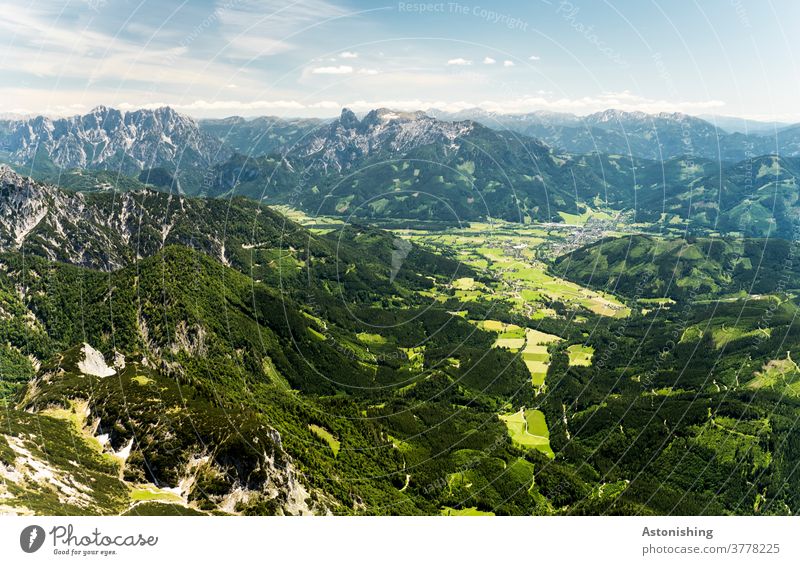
{"x":536,"y":354}
{"x":533,"y":343}
{"x":516,"y":257}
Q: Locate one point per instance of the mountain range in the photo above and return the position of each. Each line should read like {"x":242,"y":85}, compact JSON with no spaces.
{"x":672,"y":168}
{"x":647,"y":136}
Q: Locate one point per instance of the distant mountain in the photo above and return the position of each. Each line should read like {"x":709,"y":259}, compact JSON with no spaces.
{"x":348,"y":141}
{"x":733,"y":124}
{"x":647,"y":136}
{"x":259,"y":136}
{"x":410,"y":165}
{"x":106,"y":138}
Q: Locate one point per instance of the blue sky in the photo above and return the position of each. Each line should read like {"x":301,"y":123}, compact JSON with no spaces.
{"x":310,"y":58}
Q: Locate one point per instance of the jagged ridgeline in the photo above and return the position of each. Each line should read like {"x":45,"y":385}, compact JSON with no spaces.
{"x":670,"y":169}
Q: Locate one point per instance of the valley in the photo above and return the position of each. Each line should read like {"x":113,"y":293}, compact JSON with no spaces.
{"x":390,"y":314}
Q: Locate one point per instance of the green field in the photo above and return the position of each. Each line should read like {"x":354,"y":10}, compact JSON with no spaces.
{"x":371,"y":339}
{"x":536,"y":356}
{"x":528,"y":429}
{"x":447,"y":511}
{"x":779,"y":374}
{"x":580,"y":355}
{"x":153,"y":493}
{"x":511,"y":336}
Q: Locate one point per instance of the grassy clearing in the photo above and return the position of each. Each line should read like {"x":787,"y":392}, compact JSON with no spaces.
{"x":724,"y":335}
{"x":142,"y":380}
{"x":400,"y":445}
{"x":371,"y":339}
{"x":514,"y":344}
{"x":580,"y":355}
{"x":464,"y":283}
{"x":535,"y":337}
{"x":150,"y":493}
{"x":779,"y":374}
{"x":327,"y":437}
{"x":159,"y":508}
{"x":528,"y":429}
{"x":473,"y":511}
{"x":583,"y":217}
{"x":656,"y":301}
{"x":512,"y":337}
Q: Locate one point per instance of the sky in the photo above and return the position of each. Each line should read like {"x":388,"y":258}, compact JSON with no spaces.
{"x":215,"y":58}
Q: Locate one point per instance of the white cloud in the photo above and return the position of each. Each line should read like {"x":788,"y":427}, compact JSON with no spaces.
{"x":256,"y":28}
{"x":339,"y":70}
{"x":534,"y":58}
{"x":508,"y":63}
{"x":348,"y":55}
{"x":46,"y":45}
{"x":342,"y":70}
{"x":210,"y":105}
{"x":459,"y":62}
{"x":74,"y":101}
{"x":489,"y":61}
{"x":581,"y":106}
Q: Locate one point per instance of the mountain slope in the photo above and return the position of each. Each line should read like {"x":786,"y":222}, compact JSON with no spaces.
{"x":181,"y":334}
{"x":259,"y":136}
{"x":650,"y":267}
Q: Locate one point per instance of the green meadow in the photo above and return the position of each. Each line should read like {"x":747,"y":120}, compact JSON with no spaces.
{"x":580,"y":355}
{"x":528,"y":429}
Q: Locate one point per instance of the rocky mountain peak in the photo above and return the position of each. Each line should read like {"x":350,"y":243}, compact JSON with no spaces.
{"x":8,"y":175}
{"x":345,"y":141}
{"x":348,"y":119}
{"x":11,"y":180}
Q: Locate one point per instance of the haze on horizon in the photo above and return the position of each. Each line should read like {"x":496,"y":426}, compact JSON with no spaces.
{"x":216,"y":58}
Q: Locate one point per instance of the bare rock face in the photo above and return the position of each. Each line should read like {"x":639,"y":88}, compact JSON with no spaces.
{"x":344,"y":141}
{"x":102,"y":230}
{"x":106,"y":138}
